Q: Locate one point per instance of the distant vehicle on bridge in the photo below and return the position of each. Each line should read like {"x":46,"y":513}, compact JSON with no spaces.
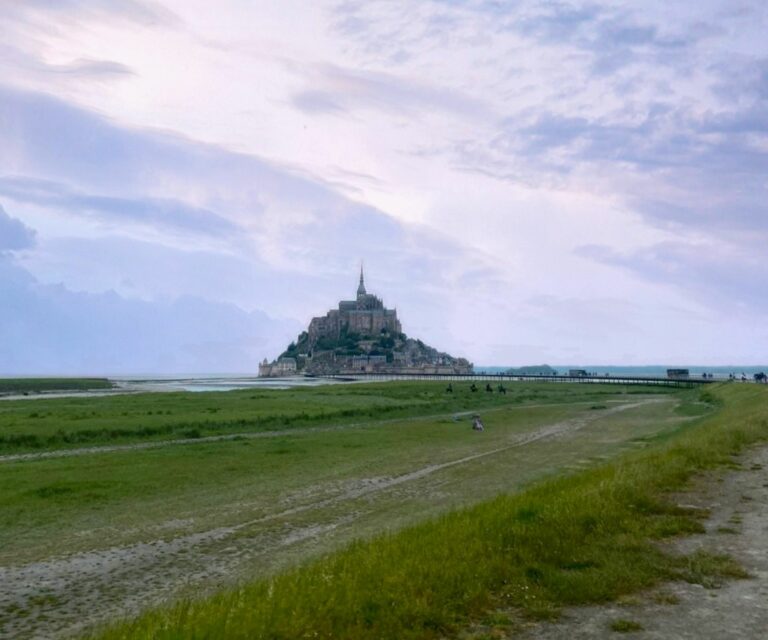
{"x":678,"y":374}
{"x":578,"y":373}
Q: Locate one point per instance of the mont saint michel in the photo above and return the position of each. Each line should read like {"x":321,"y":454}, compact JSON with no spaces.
{"x":360,"y":335}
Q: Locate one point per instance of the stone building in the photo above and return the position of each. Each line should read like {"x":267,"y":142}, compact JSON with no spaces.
{"x":278,"y":369}
{"x":365,"y":316}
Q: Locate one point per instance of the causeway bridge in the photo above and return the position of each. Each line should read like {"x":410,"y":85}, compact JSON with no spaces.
{"x":505,"y":377}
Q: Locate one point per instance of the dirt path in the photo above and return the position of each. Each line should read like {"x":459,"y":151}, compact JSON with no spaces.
{"x":61,"y":596}
{"x":738,"y":526}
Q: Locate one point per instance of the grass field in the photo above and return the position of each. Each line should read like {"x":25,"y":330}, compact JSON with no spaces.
{"x":40,"y":385}
{"x":79,"y":421}
{"x":100,"y":534}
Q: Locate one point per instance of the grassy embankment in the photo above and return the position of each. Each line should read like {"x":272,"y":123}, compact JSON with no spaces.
{"x":40,"y":385}
{"x":586,"y":538}
{"x":75,"y":422}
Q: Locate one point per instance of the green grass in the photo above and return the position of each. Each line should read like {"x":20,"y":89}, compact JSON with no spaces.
{"x":666,"y":598}
{"x":37,"y":385}
{"x":76,"y":422}
{"x":586,"y":538}
{"x":625,"y":626}
{"x":65,"y":505}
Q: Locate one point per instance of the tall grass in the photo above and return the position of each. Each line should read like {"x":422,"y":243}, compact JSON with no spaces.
{"x":584,"y":538}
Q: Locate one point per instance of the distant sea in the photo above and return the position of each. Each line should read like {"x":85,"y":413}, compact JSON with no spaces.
{"x":652,"y":370}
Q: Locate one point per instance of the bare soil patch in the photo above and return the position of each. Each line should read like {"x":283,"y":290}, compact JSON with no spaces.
{"x":737,"y":526}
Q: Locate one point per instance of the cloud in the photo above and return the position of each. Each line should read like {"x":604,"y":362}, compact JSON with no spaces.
{"x":29,"y":63}
{"x":161,"y":213}
{"x":14,"y":234}
{"x":96,"y":155}
{"x":558,"y":22}
{"x":336,"y":89}
{"x":316,"y":102}
{"x":722,"y":276}
{"x":741,"y":81}
{"x":644,"y":143}
{"x":611,"y":36}
{"x":291,"y":242}
{"x":614,"y":37}
{"x":88,"y":67}
{"x":702,"y":172}
{"x":607,"y":99}
{"x":97,"y":168}
{"x":143,"y":12}
{"x":50,"y":329}
{"x":521,"y":129}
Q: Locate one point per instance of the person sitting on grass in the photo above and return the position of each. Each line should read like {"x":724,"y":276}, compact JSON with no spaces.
{"x":473,"y":388}
{"x":477,"y":424}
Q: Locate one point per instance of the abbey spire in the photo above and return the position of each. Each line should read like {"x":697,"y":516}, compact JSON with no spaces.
{"x":361,"y":287}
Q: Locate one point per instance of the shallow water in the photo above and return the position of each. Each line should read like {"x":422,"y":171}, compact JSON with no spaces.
{"x":220,"y":383}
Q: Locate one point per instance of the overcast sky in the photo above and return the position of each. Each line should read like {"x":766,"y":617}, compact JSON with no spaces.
{"x":184,"y":184}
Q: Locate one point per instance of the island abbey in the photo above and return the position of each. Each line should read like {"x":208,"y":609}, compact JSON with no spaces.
{"x":366,"y":315}
{"x":360,"y":335}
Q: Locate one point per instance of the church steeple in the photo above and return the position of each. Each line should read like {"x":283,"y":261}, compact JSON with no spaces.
{"x":361,"y":287}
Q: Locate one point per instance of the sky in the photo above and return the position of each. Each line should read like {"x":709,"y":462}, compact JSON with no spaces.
{"x":185,"y":184}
